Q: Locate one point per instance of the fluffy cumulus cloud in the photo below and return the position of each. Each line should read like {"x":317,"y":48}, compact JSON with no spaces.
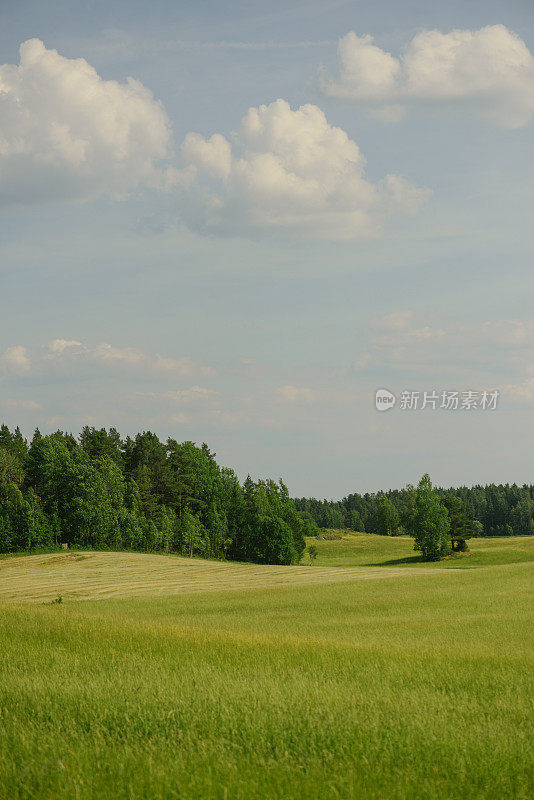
{"x":15,"y":360}
{"x":490,"y":71}
{"x":59,"y":346}
{"x":67,"y":133}
{"x":288,"y":172}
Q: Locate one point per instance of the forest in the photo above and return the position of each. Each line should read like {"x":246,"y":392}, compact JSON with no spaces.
{"x":101,"y":491}
{"x":494,"y":510}
{"x":104,"y":492}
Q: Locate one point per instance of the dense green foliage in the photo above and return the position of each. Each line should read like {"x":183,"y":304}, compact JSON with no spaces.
{"x":493,"y":510}
{"x":461,"y":528}
{"x":399,"y":688}
{"x":437,"y":523}
{"x":429,"y":523}
{"x":102,"y":492}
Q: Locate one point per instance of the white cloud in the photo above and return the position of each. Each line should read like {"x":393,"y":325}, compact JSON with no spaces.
{"x":513,"y":332}
{"x":127,"y":356}
{"x":58,"y":346}
{"x":288,"y":172}
{"x":109,"y":355}
{"x":213,"y":156}
{"x":131,"y":358}
{"x":397,"y":341}
{"x":25,"y":405}
{"x":295,"y":394}
{"x":15,"y":359}
{"x":66,"y":355}
{"x":67,"y":133}
{"x":489,"y":71}
{"x":183,"y":366}
{"x":396,"y":321}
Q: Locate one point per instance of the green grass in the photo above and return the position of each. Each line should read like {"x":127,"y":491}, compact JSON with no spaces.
{"x":415,"y":685}
{"x":86,"y":575}
{"x":363,"y":550}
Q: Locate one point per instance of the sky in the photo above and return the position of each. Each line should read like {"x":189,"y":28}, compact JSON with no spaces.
{"x":235,"y":222}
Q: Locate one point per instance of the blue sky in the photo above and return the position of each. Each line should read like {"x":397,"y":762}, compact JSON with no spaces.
{"x":205,"y":292}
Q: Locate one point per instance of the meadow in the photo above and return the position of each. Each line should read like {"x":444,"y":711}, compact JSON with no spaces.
{"x":364,"y":550}
{"x":367,"y":675}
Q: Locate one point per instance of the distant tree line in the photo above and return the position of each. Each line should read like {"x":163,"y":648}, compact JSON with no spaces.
{"x":437,"y":520}
{"x":104,"y":492}
{"x":493,"y":510}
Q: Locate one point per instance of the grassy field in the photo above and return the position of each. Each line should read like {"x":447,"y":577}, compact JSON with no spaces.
{"x":89,"y":575}
{"x":160,"y":678}
{"x":364,"y":550}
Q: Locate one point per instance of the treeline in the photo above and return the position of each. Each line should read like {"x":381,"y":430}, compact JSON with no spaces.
{"x":494,"y":510}
{"x":104,"y":492}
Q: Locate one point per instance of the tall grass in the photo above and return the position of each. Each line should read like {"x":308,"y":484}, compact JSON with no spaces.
{"x":418,"y":687}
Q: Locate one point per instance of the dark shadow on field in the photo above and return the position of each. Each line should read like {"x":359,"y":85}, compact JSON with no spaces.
{"x":394,"y":562}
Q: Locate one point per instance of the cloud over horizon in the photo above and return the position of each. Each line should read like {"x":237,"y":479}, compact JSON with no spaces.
{"x":290,"y":173}
{"x":15,"y":360}
{"x":69,"y":134}
{"x":489,"y":72}
{"x":67,"y":354}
